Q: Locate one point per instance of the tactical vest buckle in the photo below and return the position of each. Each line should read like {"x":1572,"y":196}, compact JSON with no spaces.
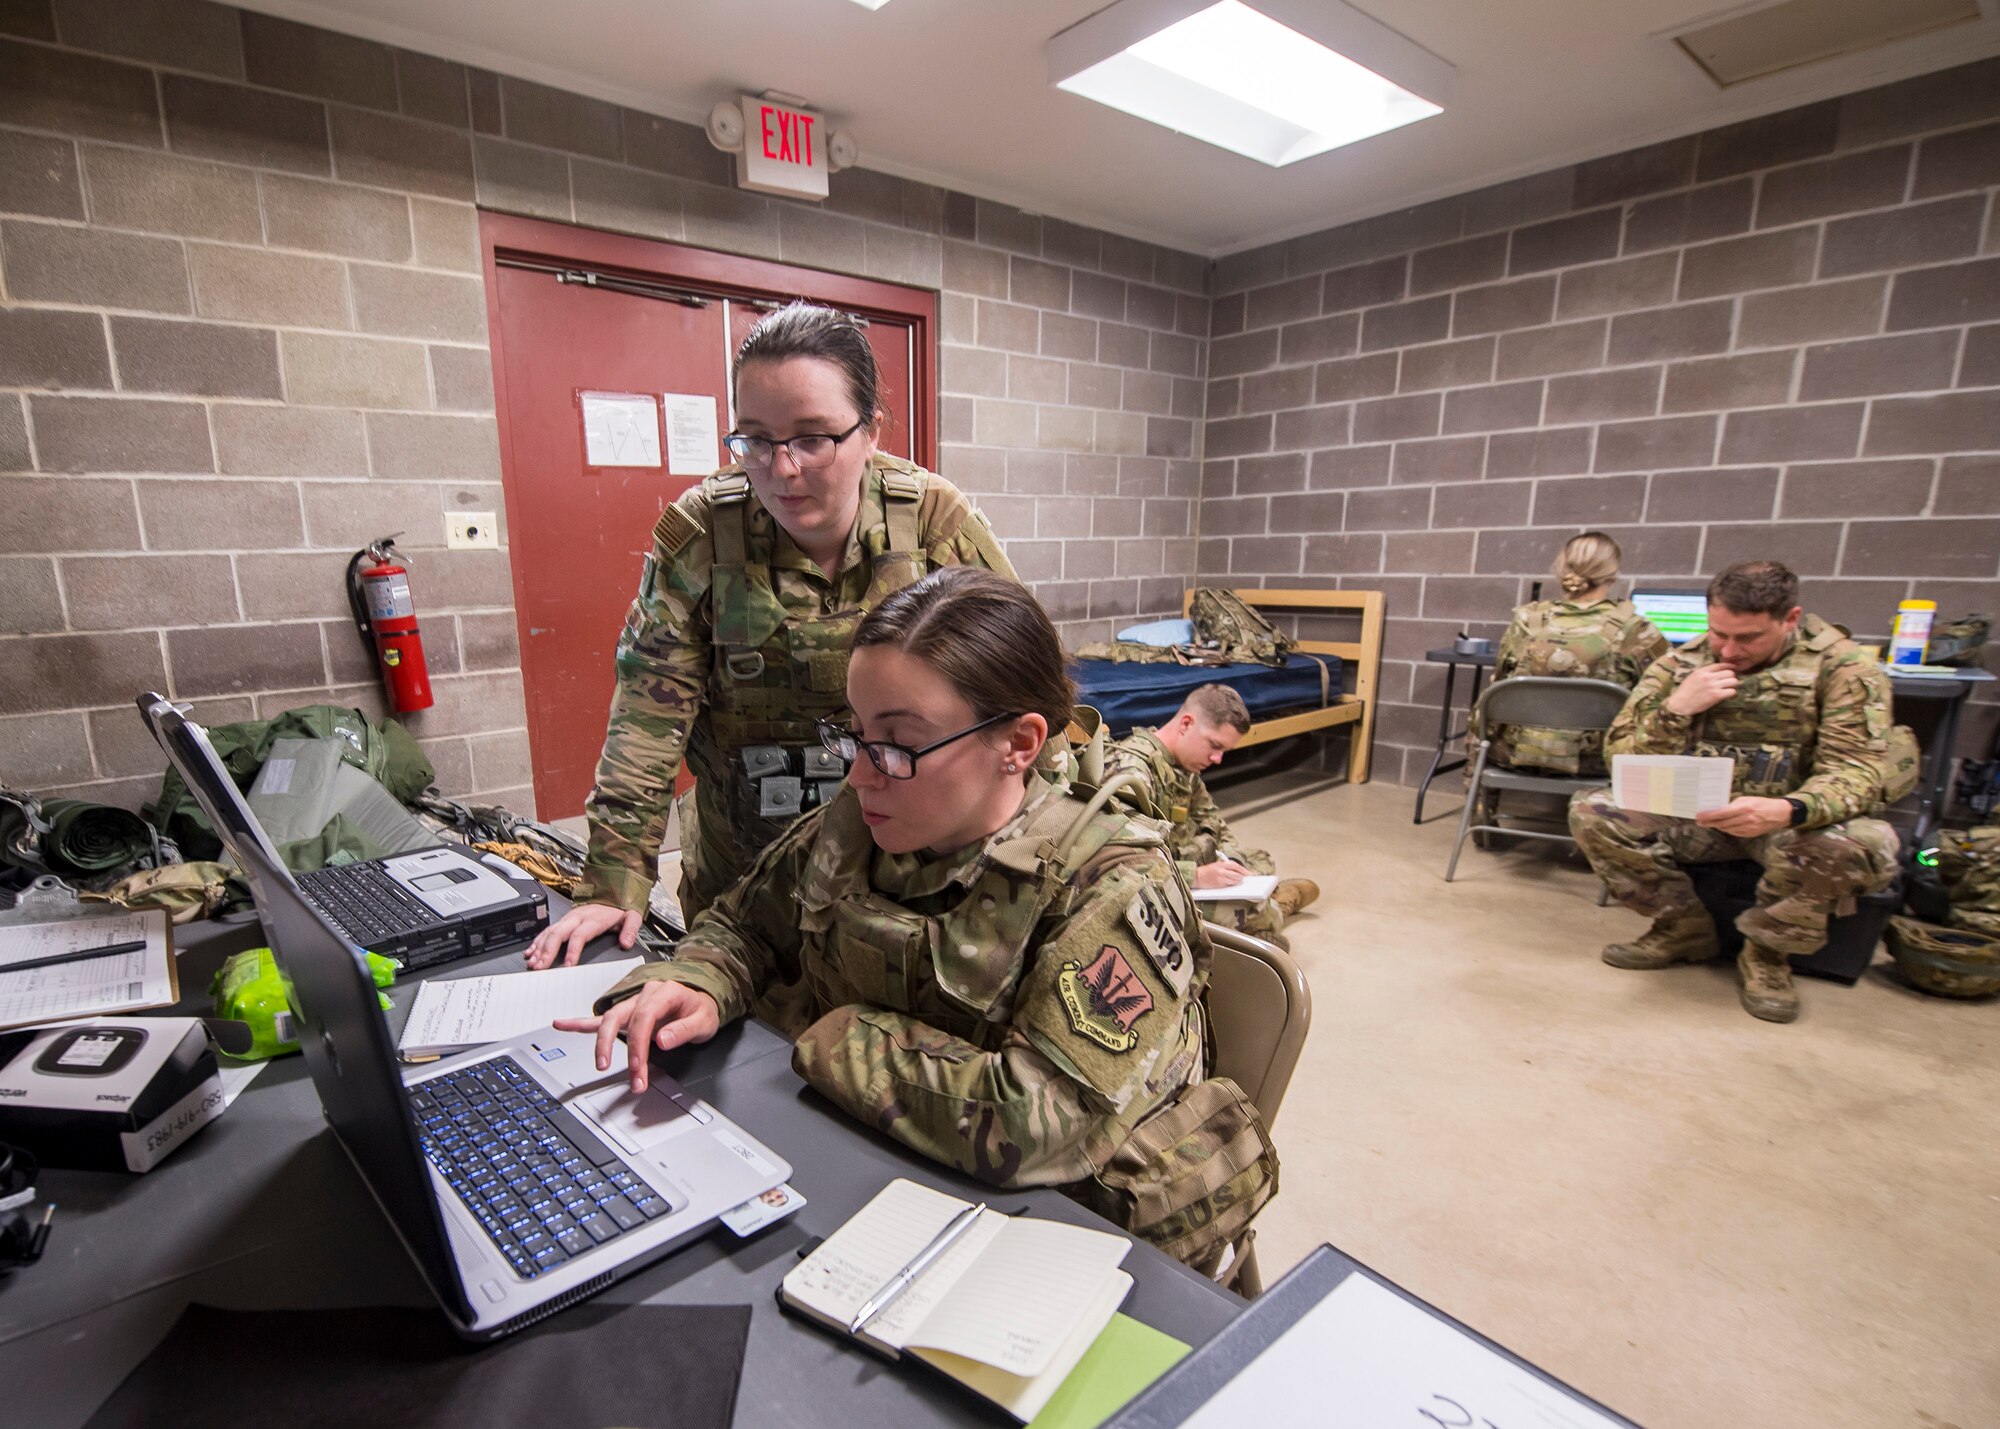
{"x":744,"y":666}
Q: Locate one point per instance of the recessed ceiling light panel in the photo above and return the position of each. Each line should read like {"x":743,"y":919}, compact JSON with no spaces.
{"x":1279,"y":82}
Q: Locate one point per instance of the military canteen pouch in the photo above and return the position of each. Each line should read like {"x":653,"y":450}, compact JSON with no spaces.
{"x":1193,"y":1175}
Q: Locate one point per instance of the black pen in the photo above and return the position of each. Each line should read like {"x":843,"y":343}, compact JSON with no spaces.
{"x":77,"y":956}
{"x":40,"y":1238}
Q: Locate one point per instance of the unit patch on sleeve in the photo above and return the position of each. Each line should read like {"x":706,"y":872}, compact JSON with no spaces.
{"x":1104,"y":1000}
{"x":1154,"y":923}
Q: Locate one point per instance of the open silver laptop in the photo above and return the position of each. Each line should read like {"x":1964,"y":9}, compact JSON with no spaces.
{"x":519,"y":1177}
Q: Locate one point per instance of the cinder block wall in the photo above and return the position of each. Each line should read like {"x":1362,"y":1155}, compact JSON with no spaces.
{"x":242,"y":331}
{"x":1780,"y":338}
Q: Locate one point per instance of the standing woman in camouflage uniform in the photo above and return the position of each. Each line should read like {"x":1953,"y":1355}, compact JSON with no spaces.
{"x":1001,"y":975}
{"x":1586,"y":634}
{"x":738,"y":639}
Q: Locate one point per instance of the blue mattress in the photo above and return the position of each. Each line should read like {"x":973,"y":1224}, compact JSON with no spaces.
{"x":1129,"y":694}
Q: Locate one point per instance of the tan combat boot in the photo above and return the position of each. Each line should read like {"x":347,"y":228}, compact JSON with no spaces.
{"x":1292,"y":894}
{"x":1687,"y":936}
{"x":1766,"y":977}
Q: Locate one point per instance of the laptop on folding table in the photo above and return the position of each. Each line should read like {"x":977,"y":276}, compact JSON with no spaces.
{"x":519,"y":1177}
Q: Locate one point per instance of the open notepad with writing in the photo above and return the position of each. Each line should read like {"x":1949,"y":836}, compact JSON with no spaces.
{"x":1008,"y":1311}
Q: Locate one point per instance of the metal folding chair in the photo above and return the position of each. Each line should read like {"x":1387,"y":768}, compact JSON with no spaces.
{"x":1552,"y":702}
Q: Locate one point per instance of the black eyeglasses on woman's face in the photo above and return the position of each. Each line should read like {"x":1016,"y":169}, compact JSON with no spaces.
{"x":894,"y":761}
{"x":810,"y":450}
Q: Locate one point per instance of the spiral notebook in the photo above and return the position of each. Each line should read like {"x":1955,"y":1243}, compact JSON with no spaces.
{"x":1007,"y":1312}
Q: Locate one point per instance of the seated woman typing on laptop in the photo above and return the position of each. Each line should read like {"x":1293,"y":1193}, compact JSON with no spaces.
{"x":990,"y":971}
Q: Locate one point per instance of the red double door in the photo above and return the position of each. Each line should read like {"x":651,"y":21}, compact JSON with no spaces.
{"x":576,"y":312}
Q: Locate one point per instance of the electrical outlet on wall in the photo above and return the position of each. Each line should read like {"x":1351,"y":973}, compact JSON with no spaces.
{"x":473,"y":531}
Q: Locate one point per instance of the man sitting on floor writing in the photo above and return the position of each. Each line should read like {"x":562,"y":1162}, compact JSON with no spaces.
{"x":1170,"y":760}
{"x":1805,"y":715}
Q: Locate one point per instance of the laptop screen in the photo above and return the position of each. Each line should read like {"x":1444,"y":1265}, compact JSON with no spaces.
{"x":1680,"y":615}
{"x":344,"y":1036}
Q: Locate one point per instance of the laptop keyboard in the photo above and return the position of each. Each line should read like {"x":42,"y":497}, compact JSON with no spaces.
{"x":367,"y":904}
{"x":543,"y":1184}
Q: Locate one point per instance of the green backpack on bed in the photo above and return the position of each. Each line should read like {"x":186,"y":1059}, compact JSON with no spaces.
{"x":1223,"y":620}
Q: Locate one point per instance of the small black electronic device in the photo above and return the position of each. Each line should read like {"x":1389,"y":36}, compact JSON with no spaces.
{"x":90,"y":1051}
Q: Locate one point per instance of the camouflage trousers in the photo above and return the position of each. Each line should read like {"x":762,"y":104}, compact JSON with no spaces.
{"x":1261,"y":918}
{"x":1810,"y":875}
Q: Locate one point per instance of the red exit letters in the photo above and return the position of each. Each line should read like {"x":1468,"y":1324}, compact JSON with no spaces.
{"x":787,"y":135}
{"x":784,"y":148}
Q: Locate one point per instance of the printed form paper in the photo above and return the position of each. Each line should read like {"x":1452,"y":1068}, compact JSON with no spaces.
{"x":1366,"y":1357}
{"x":1677,"y":785}
{"x":620,"y":429}
{"x":90,"y":987}
{"x":471,"y":1011}
{"x":692,"y":443}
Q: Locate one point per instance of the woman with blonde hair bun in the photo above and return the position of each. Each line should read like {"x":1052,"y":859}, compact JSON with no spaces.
{"x":1585,"y":634}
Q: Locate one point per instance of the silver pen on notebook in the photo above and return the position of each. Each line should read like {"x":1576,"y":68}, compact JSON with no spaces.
{"x":943,"y":1241}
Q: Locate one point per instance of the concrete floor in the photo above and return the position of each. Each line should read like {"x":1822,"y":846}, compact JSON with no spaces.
{"x":1698,"y":1218}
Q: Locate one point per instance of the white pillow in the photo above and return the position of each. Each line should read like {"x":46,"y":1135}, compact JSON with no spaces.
{"x":1160,"y":632}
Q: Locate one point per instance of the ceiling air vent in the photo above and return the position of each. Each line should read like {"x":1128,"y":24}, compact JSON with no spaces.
{"x":1798,"y":32}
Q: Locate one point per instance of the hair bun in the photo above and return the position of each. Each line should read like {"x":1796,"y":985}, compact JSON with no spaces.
{"x":1574,"y":583}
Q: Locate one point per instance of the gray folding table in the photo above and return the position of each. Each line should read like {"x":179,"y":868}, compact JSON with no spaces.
{"x":262,"y":1210}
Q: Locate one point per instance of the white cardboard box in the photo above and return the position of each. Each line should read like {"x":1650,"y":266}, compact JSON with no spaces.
{"x":117,"y":1094}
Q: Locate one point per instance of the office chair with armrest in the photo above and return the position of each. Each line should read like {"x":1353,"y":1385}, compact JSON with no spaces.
{"x":1552,"y":702}
{"x":1259,"y":1010}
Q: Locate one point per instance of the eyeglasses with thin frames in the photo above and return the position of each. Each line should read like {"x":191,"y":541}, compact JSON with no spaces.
{"x":809,"y":450}
{"x":894,"y":761}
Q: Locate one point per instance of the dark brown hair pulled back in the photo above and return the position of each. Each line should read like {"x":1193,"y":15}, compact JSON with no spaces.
{"x":985,"y":634}
{"x":809,"y":330}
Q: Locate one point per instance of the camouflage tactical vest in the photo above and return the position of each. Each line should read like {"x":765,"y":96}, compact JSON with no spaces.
{"x":958,"y":970}
{"x":1222,"y":619}
{"x":1770,"y":727}
{"x":1563,"y":639}
{"x":776,"y":673}
{"x":1195,"y":1172}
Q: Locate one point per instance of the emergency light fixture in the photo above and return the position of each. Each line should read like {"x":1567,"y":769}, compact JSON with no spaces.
{"x":1279,"y":82}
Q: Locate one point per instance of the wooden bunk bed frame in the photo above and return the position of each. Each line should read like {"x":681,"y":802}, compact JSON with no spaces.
{"x":1365,"y":655}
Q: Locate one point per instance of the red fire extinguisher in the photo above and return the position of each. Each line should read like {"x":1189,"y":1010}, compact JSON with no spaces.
{"x":387,"y":619}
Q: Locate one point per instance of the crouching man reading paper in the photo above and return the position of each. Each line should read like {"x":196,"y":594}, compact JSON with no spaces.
{"x":1804,"y":713}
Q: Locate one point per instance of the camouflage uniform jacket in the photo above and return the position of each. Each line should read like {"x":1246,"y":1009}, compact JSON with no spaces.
{"x":1812,"y":725}
{"x":1603,"y":640}
{"x":1012,"y":1017}
{"x":1196,"y":831}
{"x":672,"y":668}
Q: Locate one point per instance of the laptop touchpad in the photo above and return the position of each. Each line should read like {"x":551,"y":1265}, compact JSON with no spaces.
{"x":637,"y":1121}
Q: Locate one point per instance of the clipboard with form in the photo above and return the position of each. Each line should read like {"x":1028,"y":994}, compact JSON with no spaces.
{"x":87,"y":965}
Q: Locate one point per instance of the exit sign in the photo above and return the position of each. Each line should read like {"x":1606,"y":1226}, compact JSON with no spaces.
{"x":784,"y":149}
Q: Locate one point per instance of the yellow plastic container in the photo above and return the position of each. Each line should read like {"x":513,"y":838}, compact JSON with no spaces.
{"x":1913,"y":631}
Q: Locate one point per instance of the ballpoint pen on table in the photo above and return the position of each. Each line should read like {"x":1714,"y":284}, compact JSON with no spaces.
{"x":75,"y":956}
{"x":899,"y":1282}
